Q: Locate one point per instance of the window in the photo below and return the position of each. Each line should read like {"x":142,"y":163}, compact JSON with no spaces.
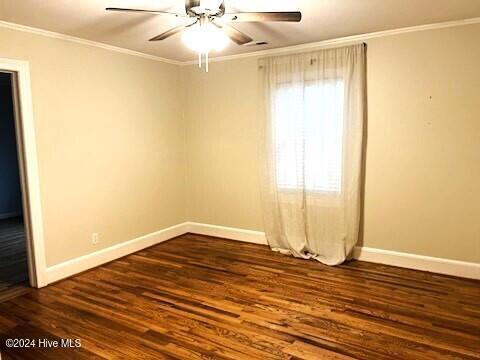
{"x":308,"y":136}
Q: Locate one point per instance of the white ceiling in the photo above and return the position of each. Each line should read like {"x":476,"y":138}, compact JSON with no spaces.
{"x":322,"y":20}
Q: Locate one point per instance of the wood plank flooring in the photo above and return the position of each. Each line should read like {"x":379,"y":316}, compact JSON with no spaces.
{"x":13,"y":258}
{"x":197,"y":297}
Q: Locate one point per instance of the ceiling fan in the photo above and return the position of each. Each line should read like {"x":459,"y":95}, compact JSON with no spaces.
{"x":208,"y":28}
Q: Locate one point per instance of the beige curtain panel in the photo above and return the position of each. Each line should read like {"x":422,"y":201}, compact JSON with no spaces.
{"x":313,"y":117}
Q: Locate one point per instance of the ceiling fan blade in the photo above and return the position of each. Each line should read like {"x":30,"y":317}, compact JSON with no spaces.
{"x":189,"y":4}
{"x":145,"y":11}
{"x":170,"y":32}
{"x":295,"y":16}
{"x":221,"y":9}
{"x":235,"y":35}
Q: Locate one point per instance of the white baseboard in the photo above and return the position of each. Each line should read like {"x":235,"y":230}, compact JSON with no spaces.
{"x":250,"y":236}
{"x":10,"y":215}
{"x":89,"y":261}
{"x":418,"y":262}
{"x":387,"y":257}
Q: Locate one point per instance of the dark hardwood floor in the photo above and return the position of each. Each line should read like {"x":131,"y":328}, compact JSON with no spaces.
{"x":13,"y":258}
{"x":196,"y":297}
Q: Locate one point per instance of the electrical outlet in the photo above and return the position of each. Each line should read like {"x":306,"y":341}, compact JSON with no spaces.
{"x":95,"y":239}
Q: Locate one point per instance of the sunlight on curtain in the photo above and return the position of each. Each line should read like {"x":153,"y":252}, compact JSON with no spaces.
{"x":313,"y":109}
{"x":315,"y":137}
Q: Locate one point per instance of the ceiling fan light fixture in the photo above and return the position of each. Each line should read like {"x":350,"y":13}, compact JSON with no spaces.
{"x":204,"y":38}
{"x":210,"y":30}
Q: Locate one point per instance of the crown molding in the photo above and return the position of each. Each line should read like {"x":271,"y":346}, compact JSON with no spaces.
{"x":348,"y":40}
{"x":277,"y":51}
{"x":55,"y":35}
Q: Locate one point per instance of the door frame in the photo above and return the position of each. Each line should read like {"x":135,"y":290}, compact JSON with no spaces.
{"x":28,"y":166}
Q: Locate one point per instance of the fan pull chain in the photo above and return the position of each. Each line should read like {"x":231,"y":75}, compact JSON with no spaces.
{"x":200,"y":61}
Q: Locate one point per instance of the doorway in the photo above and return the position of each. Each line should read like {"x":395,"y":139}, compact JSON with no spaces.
{"x":30,"y":224}
{"x":14,"y":275}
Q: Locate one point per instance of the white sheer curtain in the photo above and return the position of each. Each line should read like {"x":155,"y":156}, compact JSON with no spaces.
{"x":313,"y":115}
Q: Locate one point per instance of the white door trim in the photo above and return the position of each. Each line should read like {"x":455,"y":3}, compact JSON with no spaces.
{"x":35,"y":236}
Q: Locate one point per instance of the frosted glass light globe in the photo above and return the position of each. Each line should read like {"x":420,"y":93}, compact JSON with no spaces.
{"x":204,"y":38}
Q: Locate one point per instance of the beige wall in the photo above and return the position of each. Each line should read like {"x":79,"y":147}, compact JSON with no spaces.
{"x":222,"y":144}
{"x":128,"y":146}
{"x":110,"y":141}
{"x":422,"y":192}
